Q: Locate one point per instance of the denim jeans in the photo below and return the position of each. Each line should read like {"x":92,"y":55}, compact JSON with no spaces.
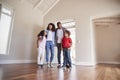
{"x":49,"y":48}
{"x":67,"y":58}
{"x":59,"y":52}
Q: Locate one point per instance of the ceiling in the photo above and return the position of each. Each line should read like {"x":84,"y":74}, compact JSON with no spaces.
{"x":43,"y":5}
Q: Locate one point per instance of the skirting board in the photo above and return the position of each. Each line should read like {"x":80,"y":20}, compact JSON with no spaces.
{"x":93,"y":64}
{"x":84,"y":63}
{"x":108,"y":62}
{"x":16,"y":61}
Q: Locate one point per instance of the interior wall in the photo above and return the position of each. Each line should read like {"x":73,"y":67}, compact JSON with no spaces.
{"x":26,"y":26}
{"x":107,"y":39}
{"x":81,"y":11}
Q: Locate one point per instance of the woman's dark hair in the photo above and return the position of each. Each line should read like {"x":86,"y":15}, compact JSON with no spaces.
{"x":53,"y":26}
{"x":68,"y":32}
{"x":42,"y":33}
{"x":58,"y":23}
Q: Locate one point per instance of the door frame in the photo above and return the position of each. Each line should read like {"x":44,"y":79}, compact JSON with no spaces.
{"x":92,"y":34}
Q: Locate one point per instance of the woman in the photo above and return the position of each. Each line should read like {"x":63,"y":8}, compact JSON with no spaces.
{"x":50,"y":44}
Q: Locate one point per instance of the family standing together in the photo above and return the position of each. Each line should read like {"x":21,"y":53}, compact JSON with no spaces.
{"x":48,"y":39}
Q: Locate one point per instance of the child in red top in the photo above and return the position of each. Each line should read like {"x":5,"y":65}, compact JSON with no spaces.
{"x":66,"y":44}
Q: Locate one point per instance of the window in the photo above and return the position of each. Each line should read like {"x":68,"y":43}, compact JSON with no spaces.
{"x":5,"y":29}
{"x":68,"y":24}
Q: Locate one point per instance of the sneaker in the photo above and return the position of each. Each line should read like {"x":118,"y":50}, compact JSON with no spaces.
{"x":51,"y":66}
{"x":41,"y":66}
{"x":59,"y":66}
{"x":67,"y":66}
{"x":48,"y":66}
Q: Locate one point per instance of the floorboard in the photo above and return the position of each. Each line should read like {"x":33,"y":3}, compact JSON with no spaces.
{"x":34,"y":72}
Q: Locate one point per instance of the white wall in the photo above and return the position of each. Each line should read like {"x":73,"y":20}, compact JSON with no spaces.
{"x":81,"y":11}
{"x":26,"y":25}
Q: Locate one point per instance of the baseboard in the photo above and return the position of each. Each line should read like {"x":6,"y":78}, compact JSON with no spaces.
{"x":16,"y":61}
{"x":76,"y":63}
{"x":108,"y":62}
{"x":85,"y":63}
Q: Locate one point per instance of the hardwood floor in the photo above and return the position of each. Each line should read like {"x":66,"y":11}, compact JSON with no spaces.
{"x":33,"y":72}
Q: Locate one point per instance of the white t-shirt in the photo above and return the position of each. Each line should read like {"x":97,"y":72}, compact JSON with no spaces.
{"x":59,"y":35}
{"x":49,"y":36}
{"x":42,"y":42}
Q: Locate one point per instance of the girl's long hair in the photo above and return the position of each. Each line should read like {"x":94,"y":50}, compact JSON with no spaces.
{"x":42,"y":33}
{"x":53,"y":27}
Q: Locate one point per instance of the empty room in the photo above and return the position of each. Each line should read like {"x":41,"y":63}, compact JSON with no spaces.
{"x":59,"y":39}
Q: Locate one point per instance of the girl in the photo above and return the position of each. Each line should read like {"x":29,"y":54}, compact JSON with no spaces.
{"x":66,"y":44}
{"x":41,"y":42}
{"x":50,"y":43}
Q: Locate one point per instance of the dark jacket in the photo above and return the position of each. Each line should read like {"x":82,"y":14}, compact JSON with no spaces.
{"x":56,"y":37}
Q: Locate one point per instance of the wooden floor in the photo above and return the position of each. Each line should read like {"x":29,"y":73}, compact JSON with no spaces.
{"x":33,"y":72}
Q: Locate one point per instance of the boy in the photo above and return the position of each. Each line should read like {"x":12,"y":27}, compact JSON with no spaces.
{"x":66,"y":44}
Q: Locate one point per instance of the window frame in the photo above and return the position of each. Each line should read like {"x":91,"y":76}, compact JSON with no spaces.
{"x":11,"y":26}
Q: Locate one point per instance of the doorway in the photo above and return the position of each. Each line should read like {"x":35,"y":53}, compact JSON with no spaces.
{"x":107,"y":39}
{"x":70,"y":25}
{"x":73,"y":48}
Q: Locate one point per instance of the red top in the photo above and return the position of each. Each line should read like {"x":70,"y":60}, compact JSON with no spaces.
{"x":66,"y":42}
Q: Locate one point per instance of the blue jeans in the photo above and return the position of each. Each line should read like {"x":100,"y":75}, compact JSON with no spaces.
{"x":67,"y":58}
{"x":59,"y":52}
{"x":49,"y":48}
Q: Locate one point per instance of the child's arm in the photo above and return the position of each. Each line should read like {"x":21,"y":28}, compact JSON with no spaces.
{"x":37,"y":42}
{"x":70,"y":42}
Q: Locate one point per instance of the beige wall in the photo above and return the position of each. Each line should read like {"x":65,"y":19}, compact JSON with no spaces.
{"x":26,"y":25}
{"x":81,"y":11}
{"x":108,"y":42}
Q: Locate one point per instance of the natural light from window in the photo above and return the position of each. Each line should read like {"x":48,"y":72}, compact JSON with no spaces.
{"x":68,"y":24}
{"x":5,"y":26}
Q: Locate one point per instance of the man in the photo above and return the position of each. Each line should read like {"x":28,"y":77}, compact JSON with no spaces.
{"x":59,"y":33}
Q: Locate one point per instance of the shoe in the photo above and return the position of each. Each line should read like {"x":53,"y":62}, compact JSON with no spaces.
{"x":67,"y":66}
{"x":48,"y":66}
{"x":59,"y":66}
{"x":51,"y":66}
{"x":41,"y":66}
